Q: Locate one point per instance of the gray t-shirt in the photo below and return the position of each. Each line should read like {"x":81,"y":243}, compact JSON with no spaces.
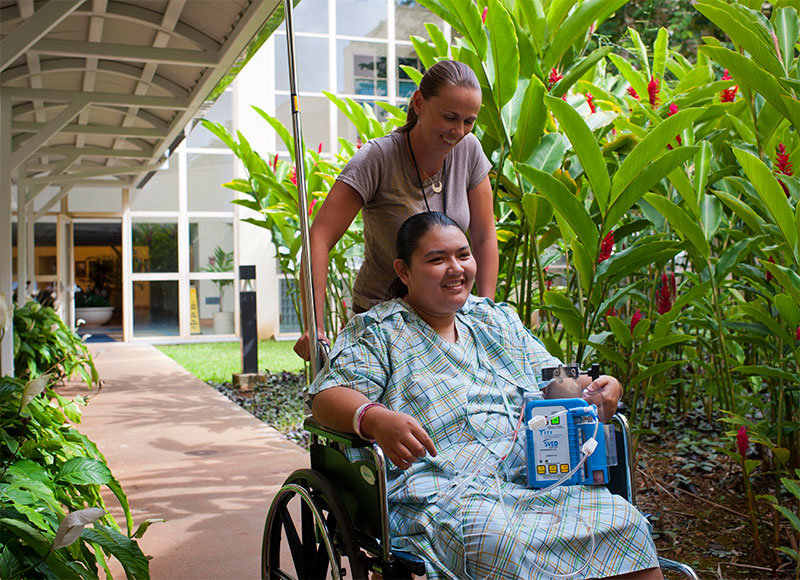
{"x":383,"y":174}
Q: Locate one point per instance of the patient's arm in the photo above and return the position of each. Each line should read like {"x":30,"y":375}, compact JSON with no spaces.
{"x":401,"y":437}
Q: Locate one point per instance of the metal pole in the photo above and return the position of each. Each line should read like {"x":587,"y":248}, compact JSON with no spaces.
{"x":302,"y":199}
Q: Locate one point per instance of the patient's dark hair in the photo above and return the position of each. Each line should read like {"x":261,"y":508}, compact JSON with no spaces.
{"x":408,"y":238}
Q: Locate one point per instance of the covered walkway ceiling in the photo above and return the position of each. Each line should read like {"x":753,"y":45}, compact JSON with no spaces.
{"x":101,"y":90}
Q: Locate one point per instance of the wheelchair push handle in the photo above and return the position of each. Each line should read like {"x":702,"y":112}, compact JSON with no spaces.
{"x":572,"y":371}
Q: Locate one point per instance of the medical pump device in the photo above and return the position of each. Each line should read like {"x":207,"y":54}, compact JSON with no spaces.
{"x":565,"y":439}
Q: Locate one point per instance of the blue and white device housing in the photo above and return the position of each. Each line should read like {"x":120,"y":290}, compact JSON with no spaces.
{"x":554,"y":448}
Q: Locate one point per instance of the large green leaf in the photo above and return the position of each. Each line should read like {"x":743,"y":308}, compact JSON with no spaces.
{"x":744,"y":27}
{"x":538,"y":211}
{"x":585,"y":146}
{"x":680,"y":181}
{"x":566,"y":312}
{"x":465,"y":17}
{"x":665,"y":165}
{"x":504,"y":61}
{"x":575,"y":26}
{"x":427,"y":53}
{"x":84,"y":470}
{"x":531,"y":121}
{"x":568,"y":207}
{"x":622,"y":332}
{"x":533,"y":14}
{"x":549,"y":154}
{"x":660,"y":53}
{"x":438,"y":38}
{"x":641,"y":52}
{"x":710,"y":216}
{"x":742,"y":210}
{"x":735,"y":254}
{"x":633,"y":258}
{"x":653,"y":146}
{"x":578,"y":69}
{"x":686,"y":227}
{"x":750,"y":75}
{"x":787,"y":29}
{"x":124,"y":549}
{"x":278,"y":127}
{"x":702,"y":167}
{"x":584,"y":264}
{"x":633,"y":76}
{"x":773,"y":196}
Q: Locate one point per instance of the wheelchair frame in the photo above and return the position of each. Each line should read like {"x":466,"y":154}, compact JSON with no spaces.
{"x":337,"y":522}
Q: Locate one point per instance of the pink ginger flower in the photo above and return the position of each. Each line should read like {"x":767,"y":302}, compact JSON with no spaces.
{"x":547,"y":281}
{"x":797,"y":334}
{"x":653,"y":87}
{"x":311,"y":206}
{"x":742,"y":441}
{"x":319,"y":149}
{"x":768,"y":276}
{"x":293,"y":176}
{"x":590,"y":102}
{"x":611,"y":312}
{"x":728,"y":95}
{"x":606,"y":247}
{"x":673,"y":108}
{"x":554,"y":77}
{"x":632,"y":92}
{"x":635,"y":319}
{"x":782,"y":165}
{"x":483,"y":16}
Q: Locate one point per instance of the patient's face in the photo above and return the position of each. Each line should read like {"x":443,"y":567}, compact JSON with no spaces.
{"x":441,"y":272}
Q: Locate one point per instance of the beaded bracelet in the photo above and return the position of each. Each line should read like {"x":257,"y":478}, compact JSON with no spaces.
{"x":359,"y":415}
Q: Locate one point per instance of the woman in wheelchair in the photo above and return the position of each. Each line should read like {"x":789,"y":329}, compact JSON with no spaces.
{"x":437,"y":376}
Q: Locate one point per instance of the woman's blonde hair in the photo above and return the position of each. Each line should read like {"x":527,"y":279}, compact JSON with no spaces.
{"x":442,"y":74}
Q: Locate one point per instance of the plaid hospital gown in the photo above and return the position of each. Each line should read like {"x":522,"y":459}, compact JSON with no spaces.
{"x":448,"y":509}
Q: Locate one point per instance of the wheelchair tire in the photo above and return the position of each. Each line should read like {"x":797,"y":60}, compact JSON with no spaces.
{"x":318,"y":538}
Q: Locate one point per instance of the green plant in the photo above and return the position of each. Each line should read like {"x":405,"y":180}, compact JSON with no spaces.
{"x":90,"y":299}
{"x":50,"y":479}
{"x":221,"y":261}
{"x":44,"y":344}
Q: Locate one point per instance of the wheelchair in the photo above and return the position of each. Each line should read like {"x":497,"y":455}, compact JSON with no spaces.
{"x":332,"y":520}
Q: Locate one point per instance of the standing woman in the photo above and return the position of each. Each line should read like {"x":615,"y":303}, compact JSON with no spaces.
{"x":432,"y":163}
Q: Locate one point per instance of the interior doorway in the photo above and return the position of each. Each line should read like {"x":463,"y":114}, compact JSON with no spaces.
{"x":97,"y":251}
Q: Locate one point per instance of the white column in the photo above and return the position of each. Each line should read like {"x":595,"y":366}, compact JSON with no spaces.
{"x":127,"y":266}
{"x":22,"y":246}
{"x":6,"y":274}
{"x":184,"y":310}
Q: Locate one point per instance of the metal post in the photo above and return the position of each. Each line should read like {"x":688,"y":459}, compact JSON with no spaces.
{"x":247,"y":319}
{"x":302,"y":199}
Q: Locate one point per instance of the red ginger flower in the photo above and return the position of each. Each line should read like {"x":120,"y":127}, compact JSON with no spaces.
{"x":728,"y":95}
{"x":311,"y":206}
{"x":653,"y":87}
{"x":590,"y":102}
{"x":319,"y":149}
{"x":483,"y":16}
{"x":275,"y":162}
{"x":606,"y":247}
{"x":293,"y":176}
{"x":768,"y":276}
{"x":673,"y":108}
{"x":742,"y":441}
{"x":797,"y":334}
{"x":782,"y":164}
{"x":611,"y":312}
{"x":554,"y":77}
{"x":632,"y":92}
{"x":666,"y":293}
{"x":637,"y":316}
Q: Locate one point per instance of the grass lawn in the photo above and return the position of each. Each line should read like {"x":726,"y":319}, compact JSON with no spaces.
{"x":217,"y":361}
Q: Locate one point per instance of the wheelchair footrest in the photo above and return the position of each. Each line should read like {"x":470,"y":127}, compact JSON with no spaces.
{"x":412,"y":562}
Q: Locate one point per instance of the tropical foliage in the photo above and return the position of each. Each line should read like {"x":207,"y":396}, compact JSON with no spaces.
{"x":646,"y":208}
{"x":51,"y":474}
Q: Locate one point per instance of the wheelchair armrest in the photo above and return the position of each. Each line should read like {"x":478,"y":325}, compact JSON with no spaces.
{"x":350,"y":439}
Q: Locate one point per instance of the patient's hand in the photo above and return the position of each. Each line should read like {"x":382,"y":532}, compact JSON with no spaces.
{"x":401,"y":437}
{"x":604,"y":392}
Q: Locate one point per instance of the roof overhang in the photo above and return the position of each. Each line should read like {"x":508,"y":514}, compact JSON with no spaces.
{"x":102,"y":90}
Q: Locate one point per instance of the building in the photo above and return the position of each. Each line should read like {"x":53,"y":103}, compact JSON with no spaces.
{"x":141,"y":206}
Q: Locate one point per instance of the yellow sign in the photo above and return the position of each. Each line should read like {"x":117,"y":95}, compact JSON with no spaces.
{"x":194,"y":314}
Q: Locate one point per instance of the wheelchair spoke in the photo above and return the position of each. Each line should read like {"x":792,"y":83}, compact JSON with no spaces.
{"x":293,"y":539}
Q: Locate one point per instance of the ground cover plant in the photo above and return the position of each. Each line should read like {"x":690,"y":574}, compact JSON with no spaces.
{"x":647,"y":220}
{"x":51,"y":474}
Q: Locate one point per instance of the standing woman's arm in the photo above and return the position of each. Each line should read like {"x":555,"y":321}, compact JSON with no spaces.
{"x":340,"y":208}
{"x":483,"y":236}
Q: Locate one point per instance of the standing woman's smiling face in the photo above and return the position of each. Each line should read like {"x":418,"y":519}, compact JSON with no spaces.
{"x":440,"y":274}
{"x":445,"y":118}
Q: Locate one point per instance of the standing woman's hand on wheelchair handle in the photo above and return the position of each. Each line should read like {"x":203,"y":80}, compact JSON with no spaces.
{"x":605,"y":392}
{"x":302,"y":347}
{"x":401,"y":437}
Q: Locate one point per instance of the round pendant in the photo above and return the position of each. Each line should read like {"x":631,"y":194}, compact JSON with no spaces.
{"x":436,"y":187}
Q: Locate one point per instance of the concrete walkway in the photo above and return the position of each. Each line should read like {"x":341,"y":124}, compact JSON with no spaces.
{"x":183,"y":452}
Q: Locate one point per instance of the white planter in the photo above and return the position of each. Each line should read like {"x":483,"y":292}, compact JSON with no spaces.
{"x":223,"y":323}
{"x":95,"y":315}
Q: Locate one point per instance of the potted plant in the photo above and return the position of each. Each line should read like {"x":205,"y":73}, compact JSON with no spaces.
{"x":93,"y":307}
{"x":222,"y":261}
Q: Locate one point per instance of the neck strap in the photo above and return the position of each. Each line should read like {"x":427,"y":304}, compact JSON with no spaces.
{"x":419,"y":177}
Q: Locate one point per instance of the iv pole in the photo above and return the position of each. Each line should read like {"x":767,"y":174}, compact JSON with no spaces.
{"x":302,"y":198}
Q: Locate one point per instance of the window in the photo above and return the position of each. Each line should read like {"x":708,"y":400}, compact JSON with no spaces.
{"x":289,"y":322}
{"x":220,"y":112}
{"x":362,"y":68}
{"x":206,"y":175}
{"x":155,"y":245}
{"x":361,"y":18}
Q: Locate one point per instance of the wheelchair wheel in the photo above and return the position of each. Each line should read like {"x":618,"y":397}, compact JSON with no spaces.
{"x":308,"y":534}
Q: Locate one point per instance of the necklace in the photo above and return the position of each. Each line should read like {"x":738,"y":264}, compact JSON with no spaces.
{"x":436,"y":187}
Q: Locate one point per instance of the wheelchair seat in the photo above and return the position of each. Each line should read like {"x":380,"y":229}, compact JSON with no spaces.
{"x":342,"y":528}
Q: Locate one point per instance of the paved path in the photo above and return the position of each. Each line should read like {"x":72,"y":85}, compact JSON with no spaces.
{"x":185,"y":453}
